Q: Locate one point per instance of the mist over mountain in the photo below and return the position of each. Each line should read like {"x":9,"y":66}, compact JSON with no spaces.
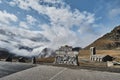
{"x":110,"y":40}
{"x":22,"y":42}
{"x":47,"y":52}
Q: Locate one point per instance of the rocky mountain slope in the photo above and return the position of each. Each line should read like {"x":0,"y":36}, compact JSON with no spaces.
{"x":108,"y":41}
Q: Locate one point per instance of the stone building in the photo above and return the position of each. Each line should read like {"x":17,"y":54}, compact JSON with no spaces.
{"x":65,"y":55}
{"x":99,"y":58}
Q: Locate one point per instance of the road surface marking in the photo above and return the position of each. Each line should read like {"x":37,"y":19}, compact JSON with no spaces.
{"x":57,"y":74}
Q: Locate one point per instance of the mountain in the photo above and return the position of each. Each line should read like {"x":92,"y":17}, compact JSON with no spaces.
{"x":108,"y":41}
{"x":47,"y":52}
{"x":21,"y":42}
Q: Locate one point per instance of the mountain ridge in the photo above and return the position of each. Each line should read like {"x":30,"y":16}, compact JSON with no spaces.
{"x":108,"y":41}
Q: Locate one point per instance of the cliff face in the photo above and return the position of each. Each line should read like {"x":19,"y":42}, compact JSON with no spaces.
{"x":108,"y":41}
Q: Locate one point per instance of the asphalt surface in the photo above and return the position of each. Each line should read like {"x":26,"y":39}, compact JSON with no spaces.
{"x":7,"y":68}
{"x":46,"y":72}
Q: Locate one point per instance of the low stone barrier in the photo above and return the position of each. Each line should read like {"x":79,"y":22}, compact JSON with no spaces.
{"x":69,"y":59}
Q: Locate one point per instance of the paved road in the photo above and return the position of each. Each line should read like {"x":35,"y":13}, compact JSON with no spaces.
{"x":43,"y":72}
{"x":7,"y":68}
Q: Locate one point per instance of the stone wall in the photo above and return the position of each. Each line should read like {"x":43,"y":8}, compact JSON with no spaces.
{"x":68,"y":59}
{"x":65,"y":55}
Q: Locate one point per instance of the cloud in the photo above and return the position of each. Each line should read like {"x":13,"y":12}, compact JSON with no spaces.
{"x":23,"y":25}
{"x":23,"y":4}
{"x":28,"y":23}
{"x":63,"y":26}
{"x":30,"y":19}
{"x":62,"y":20}
{"x":60,"y":36}
{"x":6,"y":17}
{"x":69,"y":18}
{"x":12,"y":38}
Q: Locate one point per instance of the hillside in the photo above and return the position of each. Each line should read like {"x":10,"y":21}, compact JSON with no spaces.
{"x":109,"y":41}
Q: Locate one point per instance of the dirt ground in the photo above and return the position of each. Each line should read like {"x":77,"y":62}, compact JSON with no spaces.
{"x":85,"y":54}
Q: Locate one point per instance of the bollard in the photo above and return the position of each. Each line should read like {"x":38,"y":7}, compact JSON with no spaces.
{"x":34,"y":60}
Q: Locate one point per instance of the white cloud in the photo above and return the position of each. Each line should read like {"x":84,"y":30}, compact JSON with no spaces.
{"x":23,"y":4}
{"x":64,"y":36}
{"x":6,"y":17}
{"x":30,"y":19}
{"x":62,"y":19}
{"x":28,"y":23}
{"x":11,"y":38}
{"x":23,"y":25}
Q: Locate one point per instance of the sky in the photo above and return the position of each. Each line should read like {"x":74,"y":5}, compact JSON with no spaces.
{"x":63,"y":22}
